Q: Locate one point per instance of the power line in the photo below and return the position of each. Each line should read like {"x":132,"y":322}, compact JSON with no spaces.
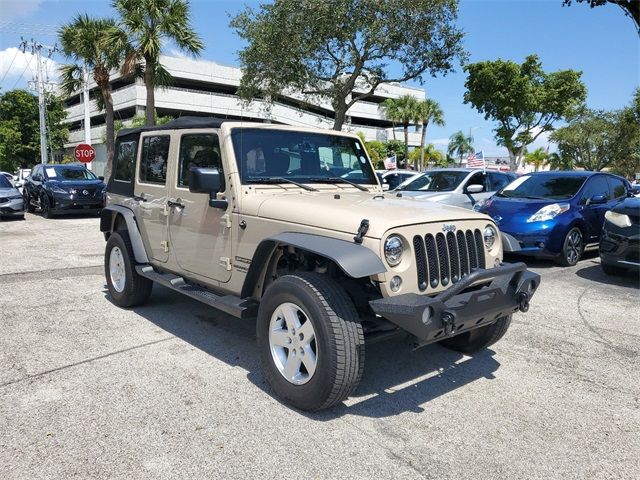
{"x":10,"y":65}
{"x":22,"y":74}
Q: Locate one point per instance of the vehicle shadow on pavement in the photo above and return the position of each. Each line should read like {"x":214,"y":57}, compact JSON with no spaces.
{"x":396,"y":378}
{"x":534,"y":262}
{"x":595,"y":273}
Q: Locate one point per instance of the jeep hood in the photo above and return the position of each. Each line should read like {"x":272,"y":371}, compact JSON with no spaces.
{"x":344,"y":214}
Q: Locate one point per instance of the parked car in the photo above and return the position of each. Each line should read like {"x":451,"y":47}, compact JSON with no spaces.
{"x":11,"y":204}
{"x":20,"y":177}
{"x":635,"y":190}
{"x":391,"y":179}
{"x":620,"y":241}
{"x":555,"y":214}
{"x":63,"y":189}
{"x":460,"y":187}
{"x":267,"y":226}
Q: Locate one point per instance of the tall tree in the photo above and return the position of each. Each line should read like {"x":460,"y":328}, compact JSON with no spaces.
{"x":460,"y":145}
{"x":524,"y":100}
{"x":20,"y":130}
{"x":145,"y":26}
{"x":402,"y":110}
{"x":340,"y":50}
{"x":626,"y":145}
{"x":560,"y":162}
{"x":588,"y":139}
{"x":538,"y":158}
{"x":427,"y":111}
{"x":84,"y":40}
{"x":631,"y":8}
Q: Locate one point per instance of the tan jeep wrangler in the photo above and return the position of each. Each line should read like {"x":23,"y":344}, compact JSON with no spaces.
{"x":291,"y":225}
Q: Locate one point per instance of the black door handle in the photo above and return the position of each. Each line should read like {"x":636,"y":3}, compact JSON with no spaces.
{"x":175,"y":203}
{"x":139,"y":198}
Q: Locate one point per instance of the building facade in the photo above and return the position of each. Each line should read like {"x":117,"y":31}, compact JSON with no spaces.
{"x":203,"y":87}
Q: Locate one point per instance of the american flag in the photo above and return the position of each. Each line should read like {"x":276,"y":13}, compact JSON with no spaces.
{"x":390,"y":163}
{"x":476,"y":160}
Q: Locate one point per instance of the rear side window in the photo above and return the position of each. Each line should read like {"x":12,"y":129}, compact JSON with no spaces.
{"x":618,"y":187}
{"x":198,"y":150}
{"x":126,"y":160}
{"x":153,"y":161}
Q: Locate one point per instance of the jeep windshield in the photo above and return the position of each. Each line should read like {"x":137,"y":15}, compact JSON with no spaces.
{"x":437,"y":181}
{"x":269,"y":155}
{"x":543,"y":187}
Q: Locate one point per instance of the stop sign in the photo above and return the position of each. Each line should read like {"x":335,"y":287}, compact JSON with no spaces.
{"x":84,"y":153}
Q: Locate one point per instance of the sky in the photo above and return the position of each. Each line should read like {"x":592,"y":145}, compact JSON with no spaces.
{"x":602,"y":43}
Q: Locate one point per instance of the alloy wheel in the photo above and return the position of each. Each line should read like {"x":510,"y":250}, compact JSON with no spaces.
{"x":116,"y":269}
{"x":292,"y":341}
{"x":574,"y":247}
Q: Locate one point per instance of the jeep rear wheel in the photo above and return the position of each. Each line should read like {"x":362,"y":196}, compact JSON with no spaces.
{"x":310,"y":341}
{"x":126,"y":287}
{"x":480,"y":338}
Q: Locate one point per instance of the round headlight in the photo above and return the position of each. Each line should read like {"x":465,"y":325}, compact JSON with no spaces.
{"x":393,"y":248}
{"x":489,"y":236}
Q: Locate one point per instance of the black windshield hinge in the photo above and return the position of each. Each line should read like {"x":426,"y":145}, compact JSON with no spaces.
{"x":362,"y":231}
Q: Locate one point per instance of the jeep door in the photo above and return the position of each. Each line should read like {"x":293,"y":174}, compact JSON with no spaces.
{"x":200,"y":235}
{"x":151,"y":193}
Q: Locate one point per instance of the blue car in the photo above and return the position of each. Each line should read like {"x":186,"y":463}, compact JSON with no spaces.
{"x":554,"y":214}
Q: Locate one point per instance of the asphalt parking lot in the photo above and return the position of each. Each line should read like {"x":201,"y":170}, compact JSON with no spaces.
{"x":174,"y":389}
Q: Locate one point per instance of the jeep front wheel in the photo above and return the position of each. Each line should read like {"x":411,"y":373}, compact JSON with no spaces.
{"x":480,"y":338}
{"x":126,"y":287}
{"x":310,"y":341}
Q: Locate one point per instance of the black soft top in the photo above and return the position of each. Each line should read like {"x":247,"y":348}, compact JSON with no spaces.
{"x":178,"y":123}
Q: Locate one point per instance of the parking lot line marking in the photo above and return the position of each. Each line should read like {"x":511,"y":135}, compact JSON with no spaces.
{"x":88,"y":360}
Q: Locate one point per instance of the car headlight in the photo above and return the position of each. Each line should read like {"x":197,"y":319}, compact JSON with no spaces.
{"x":393,"y":248}
{"x":57,"y":189}
{"x":548,"y":212}
{"x":489,"y":235}
{"x":619,"y":219}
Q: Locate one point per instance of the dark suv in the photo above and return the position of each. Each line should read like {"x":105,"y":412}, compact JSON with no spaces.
{"x":63,"y":189}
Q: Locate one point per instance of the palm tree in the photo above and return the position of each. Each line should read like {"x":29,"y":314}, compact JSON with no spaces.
{"x":145,"y":25}
{"x":460,"y":145}
{"x":538,"y":158}
{"x":401,"y":110}
{"x":427,"y":111}
{"x":83,"y":40}
{"x":560,"y":162}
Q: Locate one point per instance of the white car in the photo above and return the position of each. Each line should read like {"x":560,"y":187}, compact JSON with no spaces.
{"x":391,"y":179}
{"x":20,"y":176}
{"x":460,"y":187}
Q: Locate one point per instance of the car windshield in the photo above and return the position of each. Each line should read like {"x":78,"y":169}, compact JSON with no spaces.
{"x":539,"y":187}
{"x":60,"y":172}
{"x":280,"y":156}
{"x":4,"y":182}
{"x":437,"y":181}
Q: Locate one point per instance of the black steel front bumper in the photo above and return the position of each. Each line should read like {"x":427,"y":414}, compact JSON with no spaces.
{"x":479,"y":299}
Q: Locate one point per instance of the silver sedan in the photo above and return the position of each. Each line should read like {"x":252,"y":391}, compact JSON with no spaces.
{"x":11,"y":204}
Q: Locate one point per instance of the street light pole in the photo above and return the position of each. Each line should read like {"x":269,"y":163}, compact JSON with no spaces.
{"x":87,"y":116}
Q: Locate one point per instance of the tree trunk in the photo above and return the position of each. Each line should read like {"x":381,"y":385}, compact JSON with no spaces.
{"x":513,"y":164}
{"x":151,"y":94}
{"x":422,"y":142}
{"x":340,"y":109}
{"x":393,"y":130}
{"x":406,"y":145}
{"x":109,"y":119}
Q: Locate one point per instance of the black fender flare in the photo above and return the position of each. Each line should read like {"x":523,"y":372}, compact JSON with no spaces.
{"x":355,"y":260}
{"x":107,"y":217}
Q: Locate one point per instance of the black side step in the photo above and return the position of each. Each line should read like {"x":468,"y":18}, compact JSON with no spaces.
{"x":230,"y":304}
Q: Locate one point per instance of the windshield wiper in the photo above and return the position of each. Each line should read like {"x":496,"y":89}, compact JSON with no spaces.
{"x":339,"y":179}
{"x":281,"y":180}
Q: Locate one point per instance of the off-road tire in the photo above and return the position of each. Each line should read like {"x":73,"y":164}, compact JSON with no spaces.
{"x":562,"y":258}
{"x":27,"y":203}
{"x":339,"y":340}
{"x":137,"y":289}
{"x":480,"y":338}
{"x":45,"y":206}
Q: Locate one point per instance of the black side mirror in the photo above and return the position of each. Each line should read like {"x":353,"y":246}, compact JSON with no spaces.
{"x":597,"y":200}
{"x":101,"y":178}
{"x":207,"y":180}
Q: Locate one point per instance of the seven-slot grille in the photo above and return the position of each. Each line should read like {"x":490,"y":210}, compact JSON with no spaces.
{"x":446,"y":257}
